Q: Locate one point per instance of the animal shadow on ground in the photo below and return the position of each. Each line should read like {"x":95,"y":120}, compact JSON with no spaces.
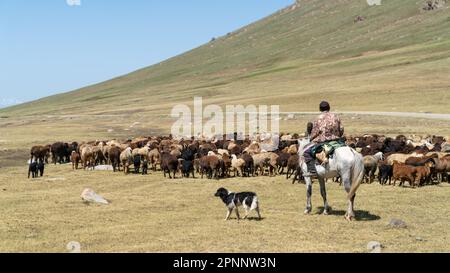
{"x":248,"y":219}
{"x":254,"y":219}
{"x":360,"y":215}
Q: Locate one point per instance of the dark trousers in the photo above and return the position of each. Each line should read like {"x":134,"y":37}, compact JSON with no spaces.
{"x":308,"y":153}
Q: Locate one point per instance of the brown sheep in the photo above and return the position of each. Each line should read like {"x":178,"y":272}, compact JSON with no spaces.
{"x":253,"y":149}
{"x":169,"y":163}
{"x":404,"y":172}
{"x":441,"y":169}
{"x":266,"y":159}
{"x":75,"y":159}
{"x":227,"y":163}
{"x":282,"y":161}
{"x":154,"y":158}
{"x":114,"y":157}
{"x":87,"y":157}
{"x":210,"y":165}
{"x":40,"y":153}
{"x":292,"y":166}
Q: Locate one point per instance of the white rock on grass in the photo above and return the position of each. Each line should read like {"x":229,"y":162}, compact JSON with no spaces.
{"x":90,"y":196}
{"x":103,"y":168}
{"x":397,"y":223}
{"x":374,"y":247}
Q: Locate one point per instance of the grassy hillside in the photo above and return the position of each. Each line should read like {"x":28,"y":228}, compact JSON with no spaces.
{"x":397,"y":59}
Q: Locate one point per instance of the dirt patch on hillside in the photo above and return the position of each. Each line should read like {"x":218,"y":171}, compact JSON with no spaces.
{"x":13,"y":158}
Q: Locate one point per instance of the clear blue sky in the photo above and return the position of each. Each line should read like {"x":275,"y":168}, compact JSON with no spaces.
{"x":49,"y":47}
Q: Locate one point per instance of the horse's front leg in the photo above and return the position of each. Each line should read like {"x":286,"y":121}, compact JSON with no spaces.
{"x":323,"y":192}
{"x":308,"y":195}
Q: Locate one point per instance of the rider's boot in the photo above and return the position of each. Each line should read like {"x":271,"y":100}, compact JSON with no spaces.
{"x":311,"y":164}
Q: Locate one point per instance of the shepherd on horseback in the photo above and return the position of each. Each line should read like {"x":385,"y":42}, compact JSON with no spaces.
{"x":326,"y":128}
{"x":326,"y":135}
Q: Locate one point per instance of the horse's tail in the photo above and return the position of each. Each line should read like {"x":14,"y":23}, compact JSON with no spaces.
{"x":357,"y":174}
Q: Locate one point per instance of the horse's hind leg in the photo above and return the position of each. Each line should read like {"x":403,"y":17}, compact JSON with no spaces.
{"x":308,"y":195}
{"x":323,"y":192}
{"x":346,"y":180}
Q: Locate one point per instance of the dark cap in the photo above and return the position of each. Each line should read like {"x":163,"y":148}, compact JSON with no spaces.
{"x":324,"y":106}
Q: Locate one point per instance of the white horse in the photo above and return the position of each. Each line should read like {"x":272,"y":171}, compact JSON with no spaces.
{"x":346,"y":163}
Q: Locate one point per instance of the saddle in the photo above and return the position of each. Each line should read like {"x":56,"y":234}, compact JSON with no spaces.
{"x":324,"y":151}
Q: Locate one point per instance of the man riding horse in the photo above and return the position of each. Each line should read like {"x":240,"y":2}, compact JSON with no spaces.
{"x":326,"y":128}
{"x":346,"y":163}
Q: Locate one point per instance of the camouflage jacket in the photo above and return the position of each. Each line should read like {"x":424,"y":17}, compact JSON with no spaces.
{"x":327,"y":127}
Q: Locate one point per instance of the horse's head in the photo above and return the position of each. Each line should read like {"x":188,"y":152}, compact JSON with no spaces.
{"x":302,"y":143}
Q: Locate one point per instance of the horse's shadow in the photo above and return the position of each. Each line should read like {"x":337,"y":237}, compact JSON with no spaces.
{"x":360,"y":215}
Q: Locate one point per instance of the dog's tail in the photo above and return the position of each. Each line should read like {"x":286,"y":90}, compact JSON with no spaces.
{"x":255,"y":203}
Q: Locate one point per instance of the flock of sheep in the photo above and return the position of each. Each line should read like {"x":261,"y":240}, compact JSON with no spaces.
{"x":416,"y":159}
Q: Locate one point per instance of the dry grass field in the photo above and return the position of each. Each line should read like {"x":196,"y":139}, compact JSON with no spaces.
{"x":153,"y":214}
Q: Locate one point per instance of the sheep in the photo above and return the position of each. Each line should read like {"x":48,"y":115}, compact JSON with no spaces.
{"x":404,"y":172}
{"x":292,"y":165}
{"x":423,"y":175}
{"x":223,"y":152}
{"x":75,"y":159}
{"x":87,"y":157}
{"x":40,"y":153}
{"x":142,"y":152}
{"x":99,"y":158}
{"x":144,"y":167}
{"x":442,"y":168}
{"x":282,"y":161}
{"x":126,"y":157}
{"x":370,"y":166}
{"x":385,"y":173}
{"x":187,"y":168}
{"x":440,"y":155}
{"x":260,"y":161}
{"x":236,"y":150}
{"x":266,"y":159}
{"x":114,"y":157}
{"x":401,"y":158}
{"x":420,"y":161}
{"x":231,"y":145}
{"x":210,"y":165}
{"x":59,"y":151}
{"x":293,"y":149}
{"x":226,"y":165}
{"x":154,"y":158}
{"x":169,"y":163}
{"x":176,"y":153}
{"x":197,"y":165}
{"x":249,"y":167}
{"x":237,"y":164}
{"x":253,"y":149}
{"x":136,"y":163}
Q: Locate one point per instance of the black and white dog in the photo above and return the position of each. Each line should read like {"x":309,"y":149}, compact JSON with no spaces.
{"x":249,"y":200}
